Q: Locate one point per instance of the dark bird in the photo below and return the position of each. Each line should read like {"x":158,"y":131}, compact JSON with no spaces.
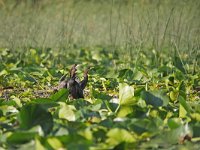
{"x":75,"y":87}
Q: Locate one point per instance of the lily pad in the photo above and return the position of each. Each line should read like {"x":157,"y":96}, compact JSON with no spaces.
{"x":155,"y":98}
{"x":34,"y":114}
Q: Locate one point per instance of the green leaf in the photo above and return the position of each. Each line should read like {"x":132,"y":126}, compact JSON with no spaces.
{"x":169,"y":138}
{"x":145,"y":125}
{"x":174,"y":123}
{"x":126,"y":74}
{"x":184,"y":108}
{"x":155,"y":98}
{"x":67,"y":112}
{"x":196,"y":130}
{"x":196,"y":116}
{"x":173,"y":95}
{"x":21,"y":137}
{"x":177,"y":135}
{"x":8,"y":103}
{"x":3,"y":73}
{"x":60,"y":96}
{"x":100,"y":95}
{"x":75,"y":141}
{"x":54,"y":143}
{"x":126,"y":94}
{"x":38,"y":145}
{"x":181,"y":86}
{"x":87,"y":133}
{"x":117,"y":136}
{"x":45,"y":102}
{"x":34,"y":114}
{"x":97,"y":105}
{"x":124,"y":111}
{"x":178,"y":64}
{"x":17,"y":101}
{"x":42,"y":101}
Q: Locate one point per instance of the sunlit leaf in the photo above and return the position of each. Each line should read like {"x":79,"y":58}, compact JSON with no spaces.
{"x":196,"y":116}
{"x":117,"y":136}
{"x":54,"y":143}
{"x":184,"y":108}
{"x":124,"y":111}
{"x":38,"y":145}
{"x":126,"y":94}
{"x":67,"y":112}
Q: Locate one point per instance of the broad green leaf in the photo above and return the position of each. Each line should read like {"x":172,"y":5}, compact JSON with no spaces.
{"x":126,"y":74}
{"x":38,"y":145}
{"x":34,"y":114}
{"x":8,"y":103}
{"x":196,"y":130}
{"x":3,"y":72}
{"x":112,"y":107}
{"x":30,"y":146}
{"x":117,"y":136}
{"x":54,"y":143}
{"x":67,"y":112}
{"x":79,"y":104}
{"x":196,"y":116}
{"x":168,"y":138}
{"x":100,"y":95}
{"x":21,"y":137}
{"x":126,"y":94}
{"x":87,"y":133}
{"x":124,"y":111}
{"x":75,"y":141}
{"x":45,"y":102}
{"x":37,"y":129}
{"x":141,"y":126}
{"x":60,"y":96}
{"x":174,"y":123}
{"x":42,"y":101}
{"x":179,"y":133}
{"x":155,"y":98}
{"x":6,"y":109}
{"x":62,"y":131}
{"x":96,"y":105}
{"x":17,"y":101}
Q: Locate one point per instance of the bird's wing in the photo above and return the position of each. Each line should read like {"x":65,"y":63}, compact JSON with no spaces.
{"x":62,"y":84}
{"x":83,"y":83}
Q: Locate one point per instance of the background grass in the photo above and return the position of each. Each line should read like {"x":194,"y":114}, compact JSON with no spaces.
{"x":131,"y":26}
{"x":150,"y":23}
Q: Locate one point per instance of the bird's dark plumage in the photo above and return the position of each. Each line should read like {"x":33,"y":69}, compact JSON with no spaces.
{"x":75,"y":87}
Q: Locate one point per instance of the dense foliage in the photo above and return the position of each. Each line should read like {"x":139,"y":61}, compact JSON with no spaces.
{"x":143,"y":90}
{"x":128,"y":104}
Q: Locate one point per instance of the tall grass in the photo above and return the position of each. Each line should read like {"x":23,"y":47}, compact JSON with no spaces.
{"x":131,"y":26}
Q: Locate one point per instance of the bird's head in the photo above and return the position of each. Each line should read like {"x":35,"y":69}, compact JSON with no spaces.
{"x":73,"y":71}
